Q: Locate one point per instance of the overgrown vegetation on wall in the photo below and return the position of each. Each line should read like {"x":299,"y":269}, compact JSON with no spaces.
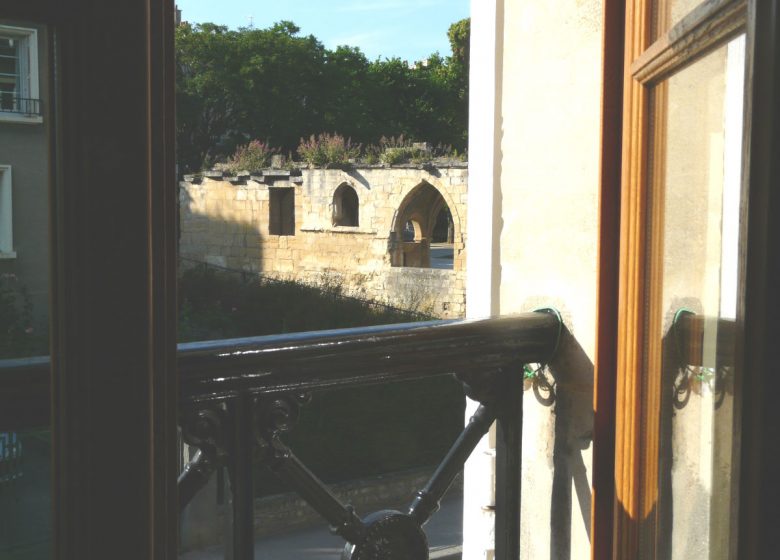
{"x":343,"y":434}
{"x":276,"y":85}
{"x":325,"y":149}
{"x":333,"y":150}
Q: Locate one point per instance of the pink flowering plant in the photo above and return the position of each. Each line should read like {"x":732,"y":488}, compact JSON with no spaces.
{"x":328,"y":149}
{"x":251,"y":157}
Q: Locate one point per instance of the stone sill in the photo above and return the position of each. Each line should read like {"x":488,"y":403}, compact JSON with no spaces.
{"x":7,"y":255}
{"x":20,"y":119}
{"x":408,"y":270}
{"x":340,"y":229}
{"x":447,"y":553}
{"x":295,"y":175}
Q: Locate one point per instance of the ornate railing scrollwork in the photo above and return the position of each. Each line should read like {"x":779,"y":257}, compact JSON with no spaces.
{"x":383,"y":535}
{"x":202,"y":428}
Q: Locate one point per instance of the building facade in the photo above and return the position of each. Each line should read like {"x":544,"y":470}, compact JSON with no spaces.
{"x":395,"y":235}
{"x":24,"y":149}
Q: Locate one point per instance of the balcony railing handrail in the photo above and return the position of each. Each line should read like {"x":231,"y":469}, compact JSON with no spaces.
{"x":310,"y":360}
{"x":320,"y":359}
{"x":239,"y":395}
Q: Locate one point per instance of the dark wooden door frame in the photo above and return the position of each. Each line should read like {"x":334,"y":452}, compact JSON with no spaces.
{"x":605,"y":370}
{"x":113,"y":199}
{"x":759,"y":506}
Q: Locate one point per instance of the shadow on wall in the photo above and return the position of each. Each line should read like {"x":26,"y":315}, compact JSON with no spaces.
{"x":567,"y":385}
{"x":302,"y":228}
{"x":208,"y":233}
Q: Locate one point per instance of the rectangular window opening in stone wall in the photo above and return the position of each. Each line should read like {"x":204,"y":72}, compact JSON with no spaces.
{"x":281,"y":208}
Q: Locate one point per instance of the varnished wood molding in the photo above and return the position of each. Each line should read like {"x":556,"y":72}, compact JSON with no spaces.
{"x":631,"y":290}
{"x":704,"y":29}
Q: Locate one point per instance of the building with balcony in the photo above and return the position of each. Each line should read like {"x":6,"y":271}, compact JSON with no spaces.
{"x":24,"y":146}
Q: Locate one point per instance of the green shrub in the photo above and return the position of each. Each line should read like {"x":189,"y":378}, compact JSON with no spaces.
{"x":327,"y":149}
{"x":396,"y":151}
{"x":372,"y":154}
{"x":395,"y":156}
{"x":18,"y":336}
{"x":250,"y":157}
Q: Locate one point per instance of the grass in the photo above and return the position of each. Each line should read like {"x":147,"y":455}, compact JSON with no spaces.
{"x":214,"y":303}
{"x":342,"y":434}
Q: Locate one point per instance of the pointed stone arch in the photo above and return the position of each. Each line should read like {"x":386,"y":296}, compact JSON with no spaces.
{"x":421,"y":207}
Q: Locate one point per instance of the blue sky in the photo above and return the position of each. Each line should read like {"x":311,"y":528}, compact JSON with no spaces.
{"x":409,"y":29}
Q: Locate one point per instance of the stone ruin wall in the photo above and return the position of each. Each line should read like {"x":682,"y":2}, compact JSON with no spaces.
{"x":226,"y":221}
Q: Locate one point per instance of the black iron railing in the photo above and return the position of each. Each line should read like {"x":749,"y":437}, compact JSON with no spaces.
{"x":20,"y":105}
{"x":239,"y":396}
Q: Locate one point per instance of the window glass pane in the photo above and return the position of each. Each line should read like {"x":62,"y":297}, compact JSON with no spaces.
{"x":25,"y":495}
{"x":8,"y":66}
{"x":25,"y":492}
{"x":302,"y":162}
{"x":9,"y":72}
{"x":696,"y":169}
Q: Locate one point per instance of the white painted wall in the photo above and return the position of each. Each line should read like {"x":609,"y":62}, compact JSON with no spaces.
{"x":532,"y":242}
{"x":484,"y":227}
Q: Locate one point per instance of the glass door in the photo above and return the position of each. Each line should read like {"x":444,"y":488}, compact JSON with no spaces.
{"x":26,"y":126}
{"x":681,"y":281}
{"x":693,"y":273}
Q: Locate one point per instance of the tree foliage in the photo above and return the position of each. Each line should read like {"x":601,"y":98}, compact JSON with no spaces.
{"x":273,"y":83}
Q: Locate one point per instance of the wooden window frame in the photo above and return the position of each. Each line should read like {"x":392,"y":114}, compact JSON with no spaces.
{"x":623,"y":393}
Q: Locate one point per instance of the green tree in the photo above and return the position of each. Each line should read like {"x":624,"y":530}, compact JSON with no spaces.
{"x":206,"y":92}
{"x":459,"y":35}
{"x":280,"y":91}
{"x":274,"y":84}
{"x":345,"y":86}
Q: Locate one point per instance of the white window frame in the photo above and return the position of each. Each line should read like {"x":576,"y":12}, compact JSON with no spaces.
{"x":29,"y":88}
{"x":6,"y":214}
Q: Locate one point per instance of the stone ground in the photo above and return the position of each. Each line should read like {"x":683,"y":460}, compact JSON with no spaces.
{"x":442,"y":255}
{"x":445,"y":529}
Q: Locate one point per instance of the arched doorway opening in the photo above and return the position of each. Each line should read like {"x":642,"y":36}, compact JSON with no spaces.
{"x":424,"y":230}
{"x":346,"y":207}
